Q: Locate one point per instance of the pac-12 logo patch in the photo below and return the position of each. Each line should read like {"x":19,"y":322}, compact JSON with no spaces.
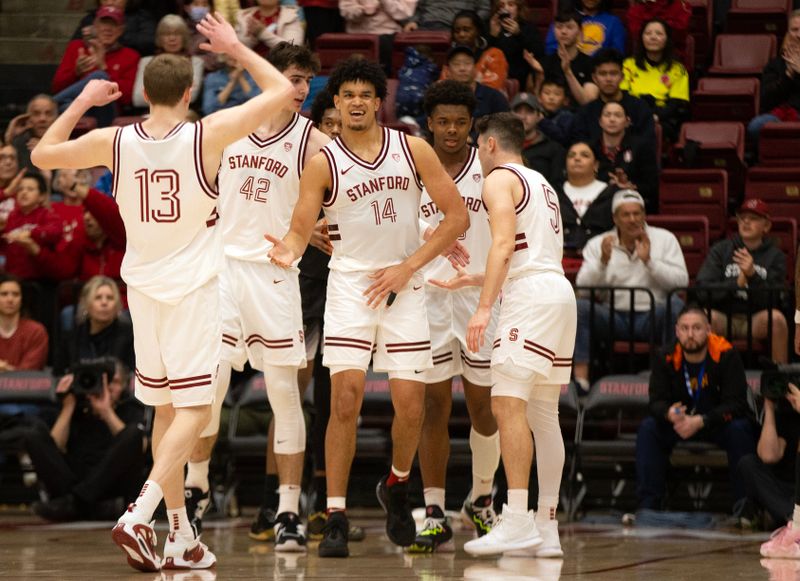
{"x":287,"y":145}
{"x":396,"y":157}
{"x":476,"y":177}
{"x":513,"y":334}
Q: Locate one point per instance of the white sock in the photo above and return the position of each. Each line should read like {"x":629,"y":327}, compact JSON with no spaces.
{"x":197,"y":475}
{"x":796,"y":517}
{"x":401,"y":474}
{"x":518,"y":500}
{"x":434,"y":497}
{"x":543,"y":420}
{"x":147,"y":502}
{"x":337,"y":502}
{"x":289,"y":498}
{"x":485,"y":459}
{"x":179,"y":522}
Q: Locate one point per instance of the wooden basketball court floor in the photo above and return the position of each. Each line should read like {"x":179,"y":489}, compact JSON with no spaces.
{"x":83,"y":551}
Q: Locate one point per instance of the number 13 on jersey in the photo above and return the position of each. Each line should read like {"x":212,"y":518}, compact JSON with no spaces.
{"x":164,"y":186}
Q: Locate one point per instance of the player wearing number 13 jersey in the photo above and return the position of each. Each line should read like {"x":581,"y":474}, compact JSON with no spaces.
{"x":163,"y":171}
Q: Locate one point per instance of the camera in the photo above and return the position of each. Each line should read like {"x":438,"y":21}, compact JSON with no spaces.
{"x":775,"y":382}
{"x":503,"y":15}
{"x":88,"y":375}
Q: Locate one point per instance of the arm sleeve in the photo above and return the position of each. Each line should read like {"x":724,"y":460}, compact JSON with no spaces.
{"x":680,"y":83}
{"x":399,"y":10}
{"x":712,"y":271}
{"x":733,"y":390}
{"x":776,"y":270}
{"x":668,"y":267}
{"x":105,"y":210}
{"x":65,"y":73}
{"x":592,"y":271}
{"x":49,"y":230}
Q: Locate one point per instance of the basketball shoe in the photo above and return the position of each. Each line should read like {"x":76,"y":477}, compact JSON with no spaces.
{"x":263,"y":528}
{"x":183,"y":553}
{"x":550,"y":547}
{"x":480,"y":513}
{"x":400,"y":527}
{"x":316,"y":524}
{"x":290,"y":534}
{"x":138,"y":541}
{"x":783,"y":544}
{"x":512,"y":531}
{"x":436,"y":534}
{"x":334,"y":541}
{"x":197,"y":502}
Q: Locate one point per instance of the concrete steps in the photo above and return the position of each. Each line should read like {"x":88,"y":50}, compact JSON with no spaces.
{"x":37,"y":31}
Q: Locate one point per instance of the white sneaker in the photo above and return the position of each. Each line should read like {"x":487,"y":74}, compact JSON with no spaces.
{"x":550,"y":547}
{"x":183,"y":553}
{"x":512,"y":531}
{"x":138,"y":541}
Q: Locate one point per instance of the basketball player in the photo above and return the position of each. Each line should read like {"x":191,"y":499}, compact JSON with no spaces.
{"x":261,"y":316}
{"x":368,"y":181}
{"x":534,"y":339}
{"x":163,"y":174}
{"x":449,"y":106}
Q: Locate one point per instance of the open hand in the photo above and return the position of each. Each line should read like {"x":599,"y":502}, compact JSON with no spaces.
{"x":220,"y":34}
{"x":460,"y":280}
{"x":280,"y":254}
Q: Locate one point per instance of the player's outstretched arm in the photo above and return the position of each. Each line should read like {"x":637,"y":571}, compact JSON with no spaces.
{"x":55,"y":151}
{"x":229,"y":125}
{"x":314,"y":181}
{"x":445,"y":195}
{"x":498,"y":195}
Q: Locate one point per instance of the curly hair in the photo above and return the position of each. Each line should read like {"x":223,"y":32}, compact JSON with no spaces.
{"x":448,"y":92}
{"x":355,"y":69}
{"x":322,"y":102}
{"x":285,"y":54}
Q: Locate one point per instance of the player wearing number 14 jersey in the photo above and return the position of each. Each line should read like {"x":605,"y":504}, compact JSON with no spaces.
{"x":163,"y":175}
{"x":261,"y":310}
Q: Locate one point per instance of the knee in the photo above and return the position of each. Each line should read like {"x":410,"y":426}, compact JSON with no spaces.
{"x":345,"y":403}
{"x":648,"y":430}
{"x":437,"y":407}
{"x":410,"y":408}
{"x":779,"y":322}
{"x":482,"y":418}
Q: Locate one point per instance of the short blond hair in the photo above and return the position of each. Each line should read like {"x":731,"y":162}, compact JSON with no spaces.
{"x":170,"y":23}
{"x":89,"y":291}
{"x":166,"y":79}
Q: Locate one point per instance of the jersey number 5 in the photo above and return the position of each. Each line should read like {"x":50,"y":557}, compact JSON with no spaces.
{"x":552,"y":202}
{"x":166,"y":184}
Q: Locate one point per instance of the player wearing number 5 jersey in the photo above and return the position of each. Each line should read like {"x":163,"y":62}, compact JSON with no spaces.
{"x":262,"y":320}
{"x":369,"y":182}
{"x":534,"y":340}
{"x":163,"y":171}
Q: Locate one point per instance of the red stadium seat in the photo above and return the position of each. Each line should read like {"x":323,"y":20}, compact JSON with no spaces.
{"x":758,"y":17}
{"x":723,"y":99}
{"x":435,"y":42}
{"x":720,"y":146}
{"x":335,"y":47}
{"x":779,"y":187}
{"x":742,"y":54}
{"x":692,"y":234}
{"x":696,"y":191}
{"x":779,"y":144}
{"x":542,"y":13}
{"x":701,"y":27}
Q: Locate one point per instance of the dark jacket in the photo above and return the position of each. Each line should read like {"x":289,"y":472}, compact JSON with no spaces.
{"x":489,"y":101}
{"x":720,"y":271}
{"x":638,"y":159}
{"x":586,"y":124}
{"x":777,"y":89}
{"x":512,"y":47}
{"x":116,"y":340}
{"x":723,"y":396}
{"x":547,"y":157}
{"x":596,"y":220}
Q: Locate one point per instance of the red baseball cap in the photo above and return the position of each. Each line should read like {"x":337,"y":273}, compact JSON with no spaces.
{"x":112,"y":13}
{"x":755,"y":206}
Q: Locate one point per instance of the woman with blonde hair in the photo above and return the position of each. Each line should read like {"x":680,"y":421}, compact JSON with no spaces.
{"x":101,"y":329}
{"x":172,"y":37}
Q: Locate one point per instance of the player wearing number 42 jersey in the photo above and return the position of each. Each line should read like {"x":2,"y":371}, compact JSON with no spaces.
{"x":163,"y":175}
{"x":261,"y":313}
{"x":534,"y":339}
{"x":368,"y":181}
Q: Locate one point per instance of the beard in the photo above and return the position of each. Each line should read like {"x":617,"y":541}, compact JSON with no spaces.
{"x":692,"y":347}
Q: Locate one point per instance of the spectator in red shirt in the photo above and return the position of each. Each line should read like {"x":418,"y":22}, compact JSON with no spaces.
{"x":23,"y":342}
{"x":102,"y":57}
{"x":676,"y":13}
{"x":70,"y":209}
{"x":30,"y":225}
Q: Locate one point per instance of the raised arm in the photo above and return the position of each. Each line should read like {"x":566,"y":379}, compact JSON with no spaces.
{"x":228,"y":125}
{"x":56,"y":151}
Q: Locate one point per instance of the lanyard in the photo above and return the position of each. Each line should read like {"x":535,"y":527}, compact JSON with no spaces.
{"x":695,"y":395}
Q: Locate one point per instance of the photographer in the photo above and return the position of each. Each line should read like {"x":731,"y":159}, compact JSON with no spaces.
{"x":769,"y":474}
{"x":94,"y":452}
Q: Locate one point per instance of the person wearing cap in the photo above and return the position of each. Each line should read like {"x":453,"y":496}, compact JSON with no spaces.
{"x":101,"y":57}
{"x":632,"y":254}
{"x":752,"y":261}
{"x":140,"y":24}
{"x":461,"y":67}
{"x":539,"y":151}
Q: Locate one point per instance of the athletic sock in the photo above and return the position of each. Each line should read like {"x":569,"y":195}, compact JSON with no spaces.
{"x":270,"y":498}
{"x":320,"y":493}
{"x":518,"y":500}
{"x":796,"y":518}
{"x":543,"y":420}
{"x":179,"y":522}
{"x":147,"y":502}
{"x":434,"y":497}
{"x":336,"y":504}
{"x":397,"y":476}
{"x":485,"y":460}
{"x":197,"y":475}
{"x":289,"y":498}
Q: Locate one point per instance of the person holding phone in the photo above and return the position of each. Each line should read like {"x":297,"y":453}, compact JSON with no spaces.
{"x":511,"y":32}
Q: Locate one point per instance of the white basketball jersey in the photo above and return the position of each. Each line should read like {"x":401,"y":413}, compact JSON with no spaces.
{"x":260,"y":181}
{"x":540,"y":238}
{"x":169,"y":211}
{"x":372,"y":207}
{"x":478,"y":238}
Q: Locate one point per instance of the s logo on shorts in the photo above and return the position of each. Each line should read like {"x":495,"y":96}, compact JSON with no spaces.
{"x":513,"y":334}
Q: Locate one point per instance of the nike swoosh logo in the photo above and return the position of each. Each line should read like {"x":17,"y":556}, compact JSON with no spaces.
{"x":280,"y":441}
{"x":416,"y":288}
{"x":415,"y":371}
{"x":344,"y":171}
{"x":277,"y":280}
